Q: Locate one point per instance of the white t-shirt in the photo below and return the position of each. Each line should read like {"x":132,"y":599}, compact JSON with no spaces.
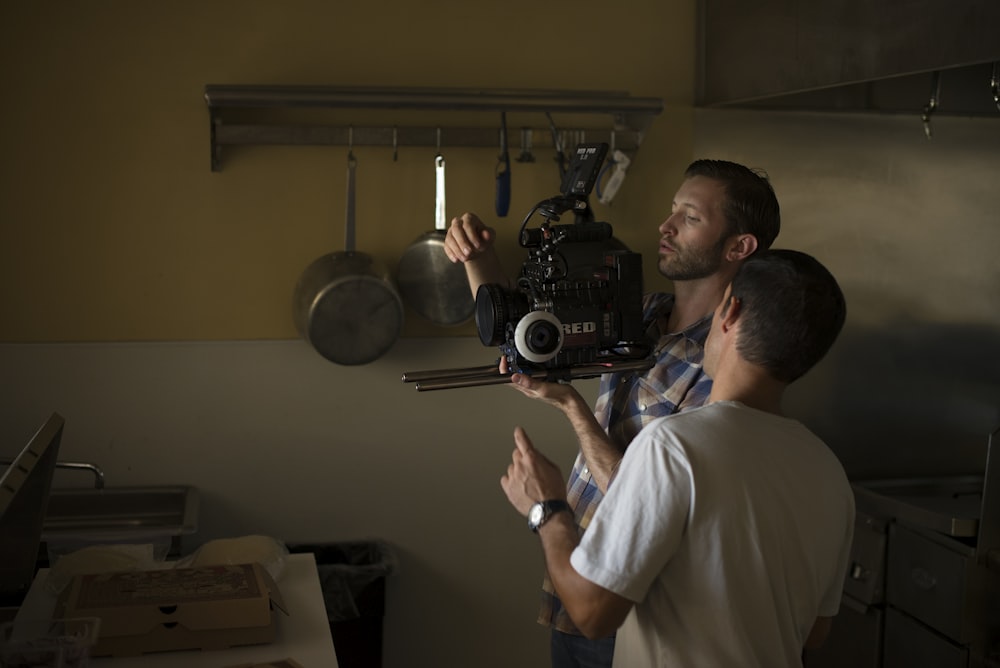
{"x":730,"y":528}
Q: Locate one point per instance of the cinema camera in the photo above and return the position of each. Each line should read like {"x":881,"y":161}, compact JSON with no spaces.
{"x":576,"y":310}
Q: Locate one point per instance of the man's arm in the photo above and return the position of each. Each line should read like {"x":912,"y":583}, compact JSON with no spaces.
{"x":601,"y":455}
{"x":531,"y":477}
{"x":597,"y":612}
{"x":470,"y":242}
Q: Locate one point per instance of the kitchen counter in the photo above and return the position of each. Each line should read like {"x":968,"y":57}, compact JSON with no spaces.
{"x":303,"y":634}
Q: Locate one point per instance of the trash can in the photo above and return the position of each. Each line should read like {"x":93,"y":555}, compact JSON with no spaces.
{"x":352,"y":576}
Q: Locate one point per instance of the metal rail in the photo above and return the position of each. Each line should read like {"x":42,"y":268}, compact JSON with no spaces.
{"x":229,"y":104}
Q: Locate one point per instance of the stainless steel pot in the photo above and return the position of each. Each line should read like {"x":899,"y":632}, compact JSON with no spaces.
{"x":345,"y":305}
{"x":430,"y":283}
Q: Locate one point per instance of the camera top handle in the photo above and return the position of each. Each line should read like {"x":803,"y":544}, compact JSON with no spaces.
{"x":577,"y":185}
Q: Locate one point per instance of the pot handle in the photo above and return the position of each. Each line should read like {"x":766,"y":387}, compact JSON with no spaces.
{"x":440,"y":223}
{"x":352,"y":164}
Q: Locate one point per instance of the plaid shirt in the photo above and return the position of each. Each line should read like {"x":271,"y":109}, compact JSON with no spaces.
{"x":626,"y":402}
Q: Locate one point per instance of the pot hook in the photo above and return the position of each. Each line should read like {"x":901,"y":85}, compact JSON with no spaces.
{"x":932,"y":103}
{"x":352,"y":164}
{"x":559,"y":144}
{"x":502,"y":171}
{"x":995,"y":84}
{"x":526,"y":154}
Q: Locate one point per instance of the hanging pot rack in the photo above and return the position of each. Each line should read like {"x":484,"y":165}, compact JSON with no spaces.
{"x":239,"y":115}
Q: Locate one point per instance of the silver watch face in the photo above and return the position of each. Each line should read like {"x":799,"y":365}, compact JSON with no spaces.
{"x":536,"y":514}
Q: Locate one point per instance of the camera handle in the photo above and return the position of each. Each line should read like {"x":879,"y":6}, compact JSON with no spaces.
{"x":554,"y":207}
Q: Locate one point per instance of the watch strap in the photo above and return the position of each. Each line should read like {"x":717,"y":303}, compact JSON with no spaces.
{"x":550,"y":508}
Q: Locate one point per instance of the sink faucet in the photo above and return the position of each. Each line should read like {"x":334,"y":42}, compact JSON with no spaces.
{"x":98,"y":473}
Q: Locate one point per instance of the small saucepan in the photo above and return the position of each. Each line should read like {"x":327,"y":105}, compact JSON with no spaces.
{"x":429,"y":282}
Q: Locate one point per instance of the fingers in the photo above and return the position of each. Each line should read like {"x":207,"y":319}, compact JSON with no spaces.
{"x":530,"y":476}
{"x":506,"y":478}
{"x":467,"y":237}
{"x":514,"y":480}
{"x":522,"y":381}
{"x":560,"y":395}
{"x":533,"y":388}
{"x":524,"y":385}
{"x":523,"y":443}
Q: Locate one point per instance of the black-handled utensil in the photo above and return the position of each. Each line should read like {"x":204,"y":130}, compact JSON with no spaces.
{"x":503,"y":171}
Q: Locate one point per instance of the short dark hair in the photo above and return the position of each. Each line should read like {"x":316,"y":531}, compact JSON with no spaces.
{"x":791,"y":311}
{"x":751,"y":206}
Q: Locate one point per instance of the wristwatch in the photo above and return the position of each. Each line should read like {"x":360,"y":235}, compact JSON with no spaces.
{"x":540,"y":513}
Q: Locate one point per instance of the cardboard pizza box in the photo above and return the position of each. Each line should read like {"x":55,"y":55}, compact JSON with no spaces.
{"x":204,"y":607}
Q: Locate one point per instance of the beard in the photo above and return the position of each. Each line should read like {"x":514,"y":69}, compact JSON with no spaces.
{"x":688,"y":264}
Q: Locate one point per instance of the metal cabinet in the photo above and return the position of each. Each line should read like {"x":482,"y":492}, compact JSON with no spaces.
{"x":909,"y":644}
{"x":865,"y":582}
{"x":923,"y":585}
{"x":932,"y":582}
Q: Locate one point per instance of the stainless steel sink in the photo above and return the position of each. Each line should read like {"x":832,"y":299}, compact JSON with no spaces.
{"x":129,"y":514}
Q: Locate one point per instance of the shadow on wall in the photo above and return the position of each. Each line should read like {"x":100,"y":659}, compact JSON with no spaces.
{"x":905,"y":399}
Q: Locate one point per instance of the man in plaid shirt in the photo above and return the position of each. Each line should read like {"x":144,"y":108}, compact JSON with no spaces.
{"x":722,"y":213}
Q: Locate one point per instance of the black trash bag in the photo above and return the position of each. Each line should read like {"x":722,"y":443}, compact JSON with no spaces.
{"x":352,"y":576}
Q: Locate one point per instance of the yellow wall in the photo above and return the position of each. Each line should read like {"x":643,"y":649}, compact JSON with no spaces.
{"x":115,"y":229}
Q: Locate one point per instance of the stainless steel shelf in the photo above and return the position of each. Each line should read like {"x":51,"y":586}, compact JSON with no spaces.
{"x":629,"y":117}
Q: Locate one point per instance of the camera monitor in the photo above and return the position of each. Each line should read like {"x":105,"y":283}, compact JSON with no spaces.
{"x":24,"y":498}
{"x":583,"y":169}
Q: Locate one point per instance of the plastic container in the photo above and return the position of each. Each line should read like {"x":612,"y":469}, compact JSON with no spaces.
{"x":55,"y":643}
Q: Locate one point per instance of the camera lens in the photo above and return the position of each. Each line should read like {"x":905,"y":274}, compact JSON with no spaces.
{"x":542,"y":337}
{"x":491,"y":312}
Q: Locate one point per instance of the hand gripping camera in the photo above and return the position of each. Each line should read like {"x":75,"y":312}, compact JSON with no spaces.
{"x":576,"y":308}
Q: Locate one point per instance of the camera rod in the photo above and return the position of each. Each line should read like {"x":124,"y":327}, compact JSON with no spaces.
{"x":448,"y":379}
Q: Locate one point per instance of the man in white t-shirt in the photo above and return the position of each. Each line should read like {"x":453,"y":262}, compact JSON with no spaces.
{"x":728,"y":542}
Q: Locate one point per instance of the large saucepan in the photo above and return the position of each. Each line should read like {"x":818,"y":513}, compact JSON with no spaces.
{"x":430,"y":283}
{"x":345,"y":305}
